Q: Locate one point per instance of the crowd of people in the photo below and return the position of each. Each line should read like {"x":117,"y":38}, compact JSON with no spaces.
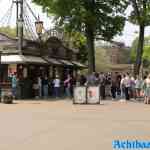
{"x":114,"y":85}
{"x":44,"y":87}
{"x":122,"y":86}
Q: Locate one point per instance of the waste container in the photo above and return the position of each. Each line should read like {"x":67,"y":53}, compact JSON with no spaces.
{"x":80,"y":96}
{"x":6,"y":93}
{"x":93,"y":95}
{"x":86,"y":95}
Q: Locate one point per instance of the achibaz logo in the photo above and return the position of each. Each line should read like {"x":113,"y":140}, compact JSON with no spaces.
{"x":129,"y":144}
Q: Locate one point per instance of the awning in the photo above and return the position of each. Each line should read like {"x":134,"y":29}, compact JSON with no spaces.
{"x":78,"y":64}
{"x":16,"y":59}
{"x":53,"y":61}
{"x":66,"y":62}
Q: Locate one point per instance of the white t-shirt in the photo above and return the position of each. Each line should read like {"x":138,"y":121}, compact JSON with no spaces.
{"x":127,"y":81}
{"x":39,"y":82}
{"x":56,"y":83}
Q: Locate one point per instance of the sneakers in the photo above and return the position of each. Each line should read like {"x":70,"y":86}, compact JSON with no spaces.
{"x":122,"y":100}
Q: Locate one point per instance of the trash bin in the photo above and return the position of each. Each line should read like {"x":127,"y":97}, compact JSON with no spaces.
{"x":6,"y":93}
{"x":80,"y":96}
{"x":93,"y":95}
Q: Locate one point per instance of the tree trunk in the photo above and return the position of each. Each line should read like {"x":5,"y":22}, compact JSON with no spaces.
{"x":139,"y":51}
{"x":90,"y":49}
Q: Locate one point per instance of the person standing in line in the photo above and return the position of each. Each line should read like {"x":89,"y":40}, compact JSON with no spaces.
{"x":40,"y":87}
{"x":82,"y":80}
{"x":144,"y":88}
{"x":113,"y":86}
{"x":36,"y":88}
{"x":138,"y":83}
{"x":147,"y":90}
{"x":56,"y":83}
{"x":122,"y":87}
{"x":14,"y":85}
{"x":45,"y":86}
{"x":127,"y":83}
{"x":132,"y":88}
{"x":67,"y":84}
{"x":118,"y":80}
{"x":91,"y":79}
{"x":102,"y":81}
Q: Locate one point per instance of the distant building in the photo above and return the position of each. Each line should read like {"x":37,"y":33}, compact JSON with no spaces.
{"x":119,"y":55}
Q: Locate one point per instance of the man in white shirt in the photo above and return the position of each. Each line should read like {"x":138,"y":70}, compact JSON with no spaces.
{"x":122,"y":87}
{"x":40,"y":86}
{"x":56,"y":83}
{"x":127,"y":84}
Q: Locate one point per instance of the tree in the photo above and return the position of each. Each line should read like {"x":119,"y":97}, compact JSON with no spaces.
{"x":146,"y":51}
{"x":140,"y":16}
{"x":77,"y":40}
{"x":92,"y":17}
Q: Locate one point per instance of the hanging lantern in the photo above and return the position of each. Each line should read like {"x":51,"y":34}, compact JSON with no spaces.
{"x":39,"y":26}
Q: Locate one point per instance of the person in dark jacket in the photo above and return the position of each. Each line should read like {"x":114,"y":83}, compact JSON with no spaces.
{"x":45,"y":86}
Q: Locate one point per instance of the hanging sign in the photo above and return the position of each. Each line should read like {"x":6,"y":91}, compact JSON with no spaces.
{"x":12,"y":68}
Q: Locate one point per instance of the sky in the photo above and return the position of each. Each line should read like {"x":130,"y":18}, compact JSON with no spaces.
{"x":128,"y":35}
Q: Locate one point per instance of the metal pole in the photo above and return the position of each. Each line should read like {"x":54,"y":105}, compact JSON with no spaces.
{"x":21,"y":27}
{"x":17,"y":17}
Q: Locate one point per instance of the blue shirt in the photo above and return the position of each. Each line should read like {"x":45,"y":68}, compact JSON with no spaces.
{"x":14,"y":82}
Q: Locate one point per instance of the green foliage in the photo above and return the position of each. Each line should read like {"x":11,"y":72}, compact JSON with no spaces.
{"x":146,"y":51}
{"x":77,"y":40}
{"x":140,"y":15}
{"x":8,"y":31}
{"x":141,"y":12}
{"x":146,"y":54}
{"x":103,"y":16}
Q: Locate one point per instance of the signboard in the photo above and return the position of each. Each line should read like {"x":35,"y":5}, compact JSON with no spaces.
{"x":80,"y":95}
{"x":93,"y":95}
{"x":12,"y":68}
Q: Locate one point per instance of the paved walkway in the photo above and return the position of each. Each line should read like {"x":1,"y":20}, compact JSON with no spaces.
{"x":59,"y":125}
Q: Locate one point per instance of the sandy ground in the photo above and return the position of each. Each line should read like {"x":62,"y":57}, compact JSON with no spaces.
{"x":59,"y":125}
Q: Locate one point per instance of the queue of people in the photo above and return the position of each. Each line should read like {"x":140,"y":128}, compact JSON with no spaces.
{"x":56,"y":88}
{"x":122,"y":86}
{"x":115,"y":85}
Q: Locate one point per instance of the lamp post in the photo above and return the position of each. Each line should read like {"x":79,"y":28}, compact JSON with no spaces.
{"x":39,"y":28}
